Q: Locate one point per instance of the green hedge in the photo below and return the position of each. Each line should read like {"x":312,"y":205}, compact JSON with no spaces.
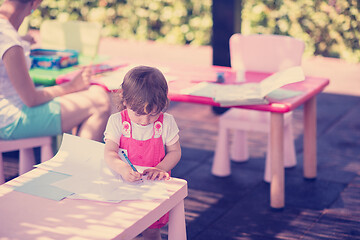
{"x":171,"y":21}
{"x":329,"y":28}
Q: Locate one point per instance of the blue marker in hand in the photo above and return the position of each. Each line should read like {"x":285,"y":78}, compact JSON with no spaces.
{"x":127,"y":159}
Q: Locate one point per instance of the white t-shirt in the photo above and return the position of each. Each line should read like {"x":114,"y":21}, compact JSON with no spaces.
{"x":169,"y":132}
{"x":10,"y":102}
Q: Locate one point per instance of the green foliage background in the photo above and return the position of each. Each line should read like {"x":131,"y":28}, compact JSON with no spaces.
{"x":171,"y":21}
{"x":330,"y":28}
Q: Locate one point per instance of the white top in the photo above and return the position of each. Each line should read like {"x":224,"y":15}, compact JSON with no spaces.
{"x":169,"y":132}
{"x":10,"y":102}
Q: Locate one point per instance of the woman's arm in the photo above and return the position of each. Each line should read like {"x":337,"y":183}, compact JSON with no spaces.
{"x":16,"y":68}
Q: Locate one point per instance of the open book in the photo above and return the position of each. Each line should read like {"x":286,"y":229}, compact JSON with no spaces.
{"x":247,"y":93}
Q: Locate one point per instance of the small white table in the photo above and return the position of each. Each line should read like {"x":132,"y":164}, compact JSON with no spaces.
{"x":23,"y":216}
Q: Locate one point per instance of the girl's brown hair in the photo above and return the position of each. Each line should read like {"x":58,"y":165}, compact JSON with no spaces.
{"x":144,"y":90}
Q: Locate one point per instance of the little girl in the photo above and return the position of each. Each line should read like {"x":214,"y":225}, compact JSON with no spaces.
{"x":149,"y":135}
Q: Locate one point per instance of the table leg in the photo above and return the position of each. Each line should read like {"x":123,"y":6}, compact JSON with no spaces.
{"x":26,"y":160}
{"x":177,"y":227}
{"x":277,"y":185}
{"x":221,"y":166}
{"x":310,"y":161}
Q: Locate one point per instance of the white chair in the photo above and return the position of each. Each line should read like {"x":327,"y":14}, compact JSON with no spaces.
{"x":26,"y":153}
{"x":262,"y":53}
{"x":76,"y":35}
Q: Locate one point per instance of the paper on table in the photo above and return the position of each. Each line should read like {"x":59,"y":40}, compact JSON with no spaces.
{"x":202,"y":89}
{"x":90,"y":178}
{"x":251,"y":91}
{"x":108,"y":186}
{"x":120,"y":189}
{"x":76,"y":155}
{"x":238,"y":93}
{"x":214,"y":90}
{"x":280,"y":93}
{"x":247,"y":93}
{"x":41,"y":186}
{"x":255,"y":101}
{"x":281,"y":78}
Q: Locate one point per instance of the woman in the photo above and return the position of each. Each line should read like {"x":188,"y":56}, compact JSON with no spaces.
{"x":27,"y":111}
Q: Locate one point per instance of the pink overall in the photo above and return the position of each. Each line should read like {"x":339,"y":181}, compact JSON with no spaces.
{"x":147,"y":153}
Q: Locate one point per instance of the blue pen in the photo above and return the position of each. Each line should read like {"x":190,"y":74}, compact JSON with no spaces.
{"x":127,"y":159}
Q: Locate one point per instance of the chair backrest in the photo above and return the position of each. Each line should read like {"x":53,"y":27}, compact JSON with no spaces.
{"x":265,"y":53}
{"x":77,"y":35}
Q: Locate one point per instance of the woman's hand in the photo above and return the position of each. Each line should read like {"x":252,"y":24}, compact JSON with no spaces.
{"x":29,"y":39}
{"x":82,"y":80}
{"x":156,"y":174}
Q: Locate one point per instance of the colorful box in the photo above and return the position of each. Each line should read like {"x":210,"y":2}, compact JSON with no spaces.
{"x":53,"y":59}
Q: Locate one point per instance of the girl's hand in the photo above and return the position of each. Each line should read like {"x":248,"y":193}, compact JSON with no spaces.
{"x":156,"y":173}
{"x":130,"y":175}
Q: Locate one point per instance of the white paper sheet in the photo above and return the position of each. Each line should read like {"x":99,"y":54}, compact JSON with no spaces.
{"x":76,"y":156}
{"x":91,"y":178}
{"x":253,"y":91}
{"x":247,"y":93}
{"x":282,"y":78}
{"x":108,"y":186}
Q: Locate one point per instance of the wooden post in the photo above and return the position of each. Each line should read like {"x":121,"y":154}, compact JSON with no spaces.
{"x":226,"y":17}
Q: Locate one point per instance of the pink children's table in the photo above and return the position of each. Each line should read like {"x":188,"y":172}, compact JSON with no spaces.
{"x":310,"y":87}
{"x":25,"y":216}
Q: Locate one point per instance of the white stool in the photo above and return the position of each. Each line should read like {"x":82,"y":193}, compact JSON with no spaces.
{"x":243,"y":121}
{"x":26,"y":153}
